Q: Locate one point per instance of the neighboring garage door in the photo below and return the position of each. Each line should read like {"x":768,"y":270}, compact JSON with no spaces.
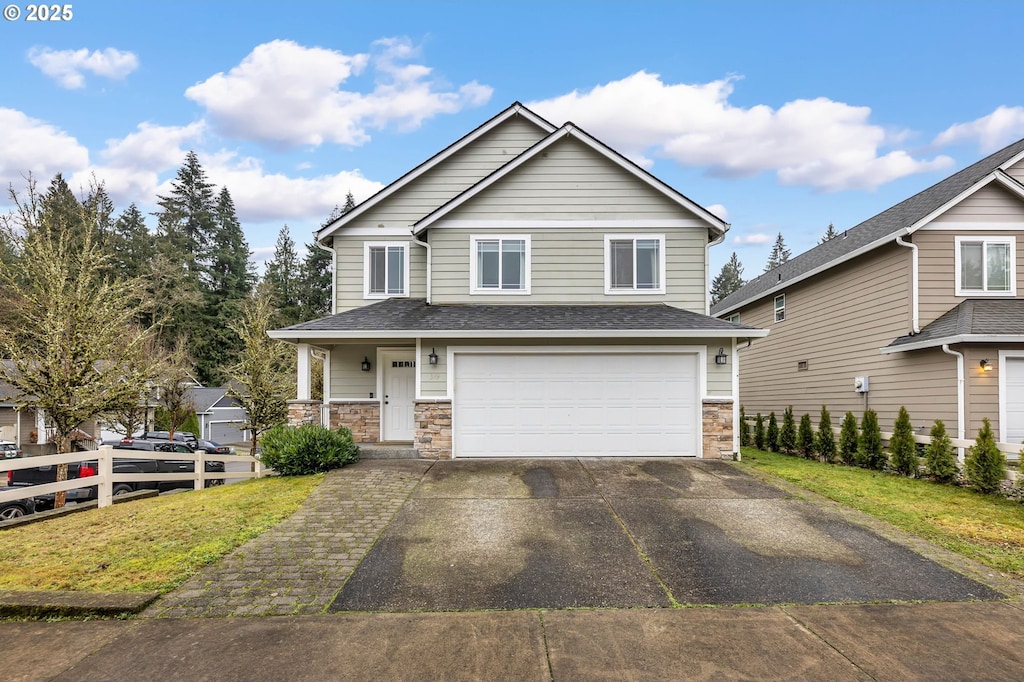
{"x":1013,"y":409}
{"x":563,"y":404}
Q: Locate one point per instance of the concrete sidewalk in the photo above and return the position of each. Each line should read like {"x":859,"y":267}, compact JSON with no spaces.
{"x":937,"y":641}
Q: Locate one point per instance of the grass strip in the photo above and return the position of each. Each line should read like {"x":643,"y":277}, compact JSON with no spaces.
{"x":986,"y":528}
{"x":148,"y":545}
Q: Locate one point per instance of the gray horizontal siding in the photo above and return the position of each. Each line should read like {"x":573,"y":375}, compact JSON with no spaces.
{"x":989,"y":204}
{"x":1016,"y":171}
{"x":349,"y":274}
{"x":348,"y":381}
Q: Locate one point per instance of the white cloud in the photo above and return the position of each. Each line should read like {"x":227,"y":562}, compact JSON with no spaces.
{"x":719,"y":210}
{"x":821,"y":143}
{"x":992,"y":132}
{"x":67,"y":67}
{"x":32,"y":146}
{"x":755,"y":239}
{"x":288,"y":94}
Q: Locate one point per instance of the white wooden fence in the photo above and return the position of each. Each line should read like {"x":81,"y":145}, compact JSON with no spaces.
{"x":105,"y":478}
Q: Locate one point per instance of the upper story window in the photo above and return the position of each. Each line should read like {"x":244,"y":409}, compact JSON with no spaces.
{"x":386,"y":269}
{"x":500,"y":264}
{"x":634,"y":264}
{"x":734,"y":318}
{"x":780,"y":308}
{"x":986,"y":266}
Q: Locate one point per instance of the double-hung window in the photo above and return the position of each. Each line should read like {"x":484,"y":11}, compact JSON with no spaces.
{"x":986,"y":266}
{"x":386,"y":269}
{"x":634,"y":264}
{"x":780,"y":308}
{"x":500,"y":264}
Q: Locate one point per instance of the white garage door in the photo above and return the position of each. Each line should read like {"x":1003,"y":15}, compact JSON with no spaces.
{"x":555,"y":404}
{"x":1013,"y":415}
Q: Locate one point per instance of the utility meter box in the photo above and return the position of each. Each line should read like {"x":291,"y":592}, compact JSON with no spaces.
{"x":860,"y":384}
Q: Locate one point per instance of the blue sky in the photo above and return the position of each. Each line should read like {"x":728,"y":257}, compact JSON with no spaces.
{"x":781,"y":116}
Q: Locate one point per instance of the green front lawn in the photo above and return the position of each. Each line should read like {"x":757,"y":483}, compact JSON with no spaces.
{"x":986,"y":528}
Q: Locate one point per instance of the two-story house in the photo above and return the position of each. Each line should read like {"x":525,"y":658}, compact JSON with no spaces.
{"x":917,"y":306}
{"x":525,"y":292}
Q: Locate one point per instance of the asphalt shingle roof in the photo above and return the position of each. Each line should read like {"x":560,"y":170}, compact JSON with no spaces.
{"x":888,"y":222}
{"x":973,"y":317}
{"x":413,"y":314}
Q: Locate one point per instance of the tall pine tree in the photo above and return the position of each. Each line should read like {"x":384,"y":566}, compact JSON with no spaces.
{"x":728,"y":280}
{"x":779,"y":255}
{"x":829,"y":235}
{"x":282,"y":277}
{"x":131,"y":243}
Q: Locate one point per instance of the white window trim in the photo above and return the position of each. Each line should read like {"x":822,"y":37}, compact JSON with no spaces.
{"x":986,"y":239}
{"x":608,"y":290}
{"x":366,"y":270}
{"x":776,"y":309}
{"x":475,"y":290}
{"x":734,"y":318}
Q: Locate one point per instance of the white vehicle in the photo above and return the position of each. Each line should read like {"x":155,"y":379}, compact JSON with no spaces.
{"x":9,"y":450}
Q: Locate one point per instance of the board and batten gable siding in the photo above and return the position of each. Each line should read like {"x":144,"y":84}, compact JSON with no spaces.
{"x":567,"y":266}
{"x":990,"y":204}
{"x":570,"y":181}
{"x":350,"y":255}
{"x":837,"y":322}
{"x":434,"y":378}
{"x":937,"y":268}
{"x":452,"y":176}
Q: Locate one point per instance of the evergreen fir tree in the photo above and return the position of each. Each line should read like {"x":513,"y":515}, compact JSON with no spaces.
{"x":185,"y":221}
{"x":99,"y":207}
{"x":728,"y":280}
{"x":772,"y":436}
{"x":759,"y":434}
{"x":985,"y":464}
{"x":825,"y":440}
{"x":787,"y":434}
{"x":902,"y":447}
{"x":805,"y":437}
{"x":131,"y":243}
{"x":829,"y":235}
{"x":779,"y":254}
{"x":745,"y":439}
{"x":59,"y":215}
{"x":849,"y":440}
{"x":939,"y":457}
{"x":869,"y":448}
{"x":282,"y":277}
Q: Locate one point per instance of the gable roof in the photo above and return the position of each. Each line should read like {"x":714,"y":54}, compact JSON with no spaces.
{"x":412,"y":317}
{"x":517,"y":109}
{"x":577,"y":133}
{"x":883,"y":228}
{"x":973,"y":320}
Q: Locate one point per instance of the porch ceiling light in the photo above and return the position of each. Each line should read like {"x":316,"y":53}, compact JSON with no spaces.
{"x":433,"y":356}
{"x":721,"y":358}
{"x":986,"y":366}
{"x":365,"y":364}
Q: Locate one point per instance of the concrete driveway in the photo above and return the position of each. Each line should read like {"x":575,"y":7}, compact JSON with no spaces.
{"x":517,"y":534}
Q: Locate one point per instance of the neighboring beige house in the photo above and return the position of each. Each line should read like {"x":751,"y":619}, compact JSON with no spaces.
{"x":525,"y":292}
{"x":921,"y":302}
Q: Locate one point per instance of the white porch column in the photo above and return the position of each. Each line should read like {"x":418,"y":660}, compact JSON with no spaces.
{"x":41,"y":438}
{"x":327,"y":377}
{"x":302,"y":370}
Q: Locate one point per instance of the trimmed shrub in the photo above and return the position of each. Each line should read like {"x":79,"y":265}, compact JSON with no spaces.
{"x":902,"y":447}
{"x":759,"y":432}
{"x":787,"y":434}
{"x":848,"y":440}
{"x":772,"y":437}
{"x":939,"y":457}
{"x":825,"y":441}
{"x":745,"y":439}
{"x":308,"y":449}
{"x":870,"y":454}
{"x":985,"y":465}
{"x":805,"y":437}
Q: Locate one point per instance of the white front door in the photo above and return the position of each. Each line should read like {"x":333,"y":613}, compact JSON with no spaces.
{"x":398,"y":384}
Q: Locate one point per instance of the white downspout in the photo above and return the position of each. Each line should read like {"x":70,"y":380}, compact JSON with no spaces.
{"x":960,"y":426}
{"x":707,"y":270}
{"x":427,"y":247}
{"x":334,"y":273}
{"x":913,"y":283}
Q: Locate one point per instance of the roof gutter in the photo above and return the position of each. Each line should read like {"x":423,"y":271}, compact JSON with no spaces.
{"x":427,"y":247}
{"x":297,"y":336}
{"x":913,"y":279}
{"x":707,"y":270}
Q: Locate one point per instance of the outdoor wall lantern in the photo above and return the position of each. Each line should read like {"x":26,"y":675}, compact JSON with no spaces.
{"x":986,"y":366}
{"x":433,"y":356}
{"x":721,"y":358}
{"x":365,"y":364}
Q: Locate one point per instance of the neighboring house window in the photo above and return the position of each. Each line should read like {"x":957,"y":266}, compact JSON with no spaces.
{"x":386,"y":270}
{"x":634,"y":264}
{"x":500,"y":264}
{"x":986,"y":265}
{"x":780,"y":307}
{"x":734,"y":318}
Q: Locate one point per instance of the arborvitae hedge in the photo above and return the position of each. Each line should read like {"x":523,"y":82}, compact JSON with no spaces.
{"x":772,"y":437}
{"x":745,"y":439}
{"x":902,"y":447}
{"x":787,"y":434}
{"x":870,"y":454}
{"x":985,"y":464}
{"x":805,"y":437}
{"x":848,"y":440}
{"x":825,"y":440}
{"x":939,"y":456}
{"x":759,"y":432}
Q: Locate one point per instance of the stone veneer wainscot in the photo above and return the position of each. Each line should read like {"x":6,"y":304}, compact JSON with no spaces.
{"x":433,"y":419}
{"x":362,"y":417}
{"x":718,"y":430}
